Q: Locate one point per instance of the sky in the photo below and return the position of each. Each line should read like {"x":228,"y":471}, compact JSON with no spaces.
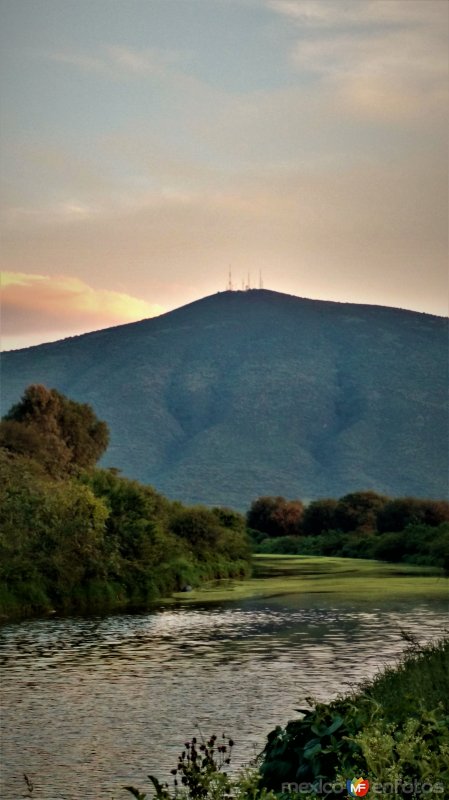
{"x":150,"y":146}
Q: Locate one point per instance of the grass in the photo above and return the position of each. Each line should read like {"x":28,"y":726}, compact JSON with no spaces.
{"x":277,"y":575}
{"x":420,"y":678}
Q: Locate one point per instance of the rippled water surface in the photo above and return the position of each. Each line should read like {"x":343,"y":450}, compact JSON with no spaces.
{"x":92,"y":704}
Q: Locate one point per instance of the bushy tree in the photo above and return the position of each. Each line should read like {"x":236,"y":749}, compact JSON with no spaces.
{"x":319,"y":517}
{"x":57,"y":432}
{"x":396,"y":514}
{"x":52,"y":531}
{"x":199,"y":526}
{"x":137,"y":516}
{"x":229,"y":518}
{"x":275,"y":516}
{"x":359,"y":511}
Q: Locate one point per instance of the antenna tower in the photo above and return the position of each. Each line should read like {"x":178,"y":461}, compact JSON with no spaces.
{"x":260,"y":280}
{"x":229,"y":286}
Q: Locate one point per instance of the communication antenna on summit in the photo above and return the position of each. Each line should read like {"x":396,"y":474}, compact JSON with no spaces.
{"x":260,"y":280}
{"x":229,"y":286}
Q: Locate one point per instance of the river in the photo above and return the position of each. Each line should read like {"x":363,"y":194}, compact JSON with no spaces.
{"x":90,"y":705}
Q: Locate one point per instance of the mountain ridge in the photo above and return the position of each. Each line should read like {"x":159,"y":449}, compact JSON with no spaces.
{"x":247,"y":393}
{"x":193,"y":303}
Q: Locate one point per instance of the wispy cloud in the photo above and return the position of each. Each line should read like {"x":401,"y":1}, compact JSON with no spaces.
{"x":117,"y":60}
{"x":334,"y":13}
{"x":386,"y":58}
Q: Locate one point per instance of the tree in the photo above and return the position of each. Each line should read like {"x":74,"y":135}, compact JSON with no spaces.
{"x":52,"y":532}
{"x":59,"y":433}
{"x":358,"y":511}
{"x":403,"y":511}
{"x":275,"y":516}
{"x":319,"y":517}
{"x":198,"y":525}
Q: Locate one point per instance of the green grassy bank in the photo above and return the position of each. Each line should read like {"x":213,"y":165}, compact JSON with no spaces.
{"x":283,"y":575}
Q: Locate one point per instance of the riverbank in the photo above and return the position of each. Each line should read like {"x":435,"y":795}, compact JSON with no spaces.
{"x":96,"y":543}
{"x":374,"y":737}
{"x":392,"y":732}
{"x":276,"y":575}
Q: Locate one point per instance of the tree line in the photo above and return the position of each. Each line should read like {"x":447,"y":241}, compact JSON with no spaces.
{"x":358,"y":525}
{"x":78,"y":538}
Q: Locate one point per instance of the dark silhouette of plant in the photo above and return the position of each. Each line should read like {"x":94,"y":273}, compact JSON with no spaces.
{"x":199,"y":772}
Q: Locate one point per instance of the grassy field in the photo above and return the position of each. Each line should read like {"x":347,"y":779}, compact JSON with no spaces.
{"x":275,"y":576}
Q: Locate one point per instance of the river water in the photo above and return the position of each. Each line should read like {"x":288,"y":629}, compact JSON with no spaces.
{"x":91,"y":705}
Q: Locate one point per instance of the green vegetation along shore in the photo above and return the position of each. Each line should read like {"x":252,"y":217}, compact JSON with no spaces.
{"x":361,"y":524}
{"x":278,"y":576}
{"x":78,"y":539}
{"x":392,"y":733}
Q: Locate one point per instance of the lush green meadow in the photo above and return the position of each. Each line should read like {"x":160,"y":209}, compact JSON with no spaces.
{"x":275,"y":575}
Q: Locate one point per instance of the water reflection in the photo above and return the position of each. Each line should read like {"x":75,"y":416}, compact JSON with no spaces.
{"x":89,"y":705}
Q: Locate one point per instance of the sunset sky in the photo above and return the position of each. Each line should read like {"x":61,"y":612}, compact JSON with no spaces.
{"x":149,"y":145}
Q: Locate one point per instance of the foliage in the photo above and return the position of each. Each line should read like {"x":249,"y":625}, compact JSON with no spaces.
{"x":358,"y":511}
{"x":275,"y":516}
{"x":78,"y":538}
{"x":398,"y":514}
{"x":99,"y":541}
{"x":57,"y":432}
{"x":319,"y":516}
{"x":353,"y":527}
{"x":418,"y":544}
{"x":395,"y":728}
{"x":52,"y":541}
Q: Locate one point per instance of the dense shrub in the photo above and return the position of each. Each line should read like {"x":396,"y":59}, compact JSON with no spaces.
{"x":375,"y":732}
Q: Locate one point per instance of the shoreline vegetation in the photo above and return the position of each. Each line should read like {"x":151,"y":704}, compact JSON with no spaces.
{"x":339,"y":578}
{"x":77,"y":539}
{"x":392,"y":731}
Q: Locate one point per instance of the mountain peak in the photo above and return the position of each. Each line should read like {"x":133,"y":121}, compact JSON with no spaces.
{"x":244,"y":393}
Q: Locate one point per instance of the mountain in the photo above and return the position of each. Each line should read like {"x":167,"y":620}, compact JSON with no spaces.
{"x":248,"y":393}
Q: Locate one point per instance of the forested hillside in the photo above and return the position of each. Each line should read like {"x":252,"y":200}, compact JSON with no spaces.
{"x":243,"y":394}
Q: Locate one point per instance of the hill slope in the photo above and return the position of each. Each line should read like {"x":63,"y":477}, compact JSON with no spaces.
{"x":249,"y":393}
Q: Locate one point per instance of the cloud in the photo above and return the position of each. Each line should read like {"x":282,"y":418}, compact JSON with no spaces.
{"x":118,"y":61}
{"x":385,"y":59}
{"x":369,"y":231}
{"x":331,"y":13}
{"x":46,"y":304}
